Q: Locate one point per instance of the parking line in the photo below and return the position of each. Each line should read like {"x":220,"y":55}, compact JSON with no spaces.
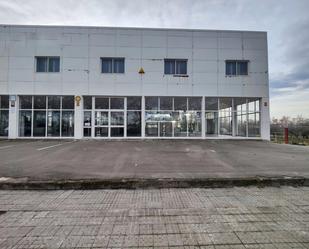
{"x":5,"y":147}
{"x":52,"y":146}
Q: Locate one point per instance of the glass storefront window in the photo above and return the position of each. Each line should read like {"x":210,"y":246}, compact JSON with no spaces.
{"x":194,"y":120}
{"x":4,"y":123}
{"x":53,"y":123}
{"x":4,"y":102}
{"x":151,"y":103}
{"x":101,"y":132}
{"x":54,"y":102}
{"x":117,"y":118}
{"x":67,"y":129}
{"x":134,"y":123}
{"x":87,"y":118}
{"x":25,"y":118}
{"x":166,"y":103}
{"x":211,"y":104}
{"x":4,"y":115}
{"x":166,"y":129}
{"x":25,"y":102}
{"x":87,"y":102}
{"x":101,"y":118}
{"x":180,"y":125}
{"x":211,"y":123}
{"x":87,"y":132}
{"x":39,"y":123}
{"x":68,"y":102}
{"x":39,"y":102}
{"x":254,"y":124}
{"x":48,"y":116}
{"x":117,"y":131}
{"x":180,"y":104}
{"x":151,"y":129}
{"x":101,"y":103}
{"x":117,"y":103}
{"x":134,"y":103}
{"x":195,"y":103}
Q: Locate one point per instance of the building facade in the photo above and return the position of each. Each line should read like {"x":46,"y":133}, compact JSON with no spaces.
{"x":104,"y":83}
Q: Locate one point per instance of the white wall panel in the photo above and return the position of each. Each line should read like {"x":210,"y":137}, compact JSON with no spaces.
{"x":154,"y":41}
{"x":102,"y":40}
{"x":80,"y":49}
{"x":179,"y":42}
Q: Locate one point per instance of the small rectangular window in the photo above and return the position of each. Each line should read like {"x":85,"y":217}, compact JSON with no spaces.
{"x":112,"y":65}
{"x":47,"y":64}
{"x":175,"y":66}
{"x":234,"y":68}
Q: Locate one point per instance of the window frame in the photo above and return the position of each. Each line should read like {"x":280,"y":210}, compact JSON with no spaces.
{"x":175,"y":66}
{"x":237,"y":62}
{"x":47,"y":65}
{"x":113,"y":66}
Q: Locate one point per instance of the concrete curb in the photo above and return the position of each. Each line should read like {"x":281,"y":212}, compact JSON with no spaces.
{"x":142,"y":183}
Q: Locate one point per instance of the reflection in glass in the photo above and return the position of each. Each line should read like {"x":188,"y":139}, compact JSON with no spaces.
{"x":53,"y":123}
{"x":39,"y":102}
{"x":117,"y":118}
{"x":211,"y":123}
{"x":87,"y":102}
{"x":4,"y":102}
{"x":195,"y":103}
{"x":117,"y":131}
{"x":166,"y":103}
{"x":87,"y":118}
{"x":159,"y":116}
{"x":241,"y":128}
{"x":25,"y":102}
{"x":101,"y":103}
{"x":151,"y":129}
{"x":211,"y":104}
{"x":166,"y":129}
{"x":254,"y":125}
{"x":225,"y":124}
{"x":180,"y":129}
{"x":180,"y":104}
{"x":194,"y":124}
{"x":117,"y":103}
{"x":87,"y":132}
{"x":54,"y":102}
{"x":4,"y":123}
{"x":39,"y":123}
{"x":68,"y":102}
{"x":151,"y":103}
{"x":134,"y":103}
{"x":54,"y":64}
{"x":67,"y":129}
{"x":25,"y":123}
{"x":101,"y":118}
{"x":101,"y":132}
{"x":133,"y":124}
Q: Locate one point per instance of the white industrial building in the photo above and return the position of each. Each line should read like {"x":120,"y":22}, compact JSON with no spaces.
{"x":103,"y":82}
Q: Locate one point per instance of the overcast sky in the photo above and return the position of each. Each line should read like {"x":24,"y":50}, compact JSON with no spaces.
{"x":286,"y":21}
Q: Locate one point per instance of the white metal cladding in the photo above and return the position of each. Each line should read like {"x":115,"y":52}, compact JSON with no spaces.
{"x":80,"y":50}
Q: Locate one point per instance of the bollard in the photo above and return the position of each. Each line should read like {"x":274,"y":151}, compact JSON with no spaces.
{"x":286,"y":135}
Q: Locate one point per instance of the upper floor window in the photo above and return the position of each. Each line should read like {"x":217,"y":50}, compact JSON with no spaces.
{"x":237,"y":67}
{"x":48,"y":64}
{"x":112,"y":65}
{"x":175,"y":66}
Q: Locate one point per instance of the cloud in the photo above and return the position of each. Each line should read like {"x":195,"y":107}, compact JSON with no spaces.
{"x":287,"y":24}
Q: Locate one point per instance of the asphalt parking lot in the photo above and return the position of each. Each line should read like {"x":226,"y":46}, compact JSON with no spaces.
{"x":87,"y":159}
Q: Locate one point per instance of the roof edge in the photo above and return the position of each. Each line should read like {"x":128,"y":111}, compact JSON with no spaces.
{"x":129,"y":28}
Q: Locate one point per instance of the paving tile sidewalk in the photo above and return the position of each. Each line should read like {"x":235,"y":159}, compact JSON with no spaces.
{"x":166,"y":218}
